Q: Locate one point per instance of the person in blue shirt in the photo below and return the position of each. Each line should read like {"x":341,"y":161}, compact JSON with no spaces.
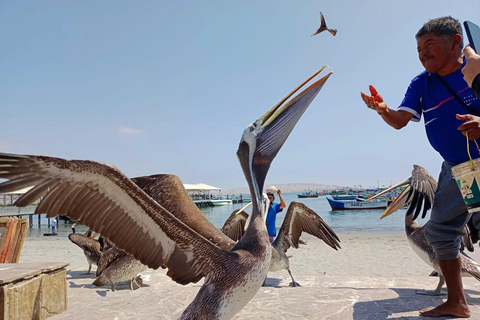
{"x":445,"y":100}
{"x":273,"y":209}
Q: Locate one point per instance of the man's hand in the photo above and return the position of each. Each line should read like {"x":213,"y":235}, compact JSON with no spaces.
{"x":471,"y":126}
{"x":472,"y":67}
{"x":375,"y":101}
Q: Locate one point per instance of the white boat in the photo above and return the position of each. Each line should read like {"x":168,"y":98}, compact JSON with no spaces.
{"x":221,"y":202}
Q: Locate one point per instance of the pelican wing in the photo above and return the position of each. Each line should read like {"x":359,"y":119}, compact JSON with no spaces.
{"x":423,"y":188}
{"x":109,"y":256}
{"x":168,"y":191}
{"x":109,"y":203}
{"x":234,"y":227}
{"x":419,"y":194}
{"x":300,"y":218}
{"x":86,"y":243}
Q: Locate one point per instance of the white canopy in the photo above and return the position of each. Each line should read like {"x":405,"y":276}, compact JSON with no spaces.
{"x":21,"y":191}
{"x":199,"y":187}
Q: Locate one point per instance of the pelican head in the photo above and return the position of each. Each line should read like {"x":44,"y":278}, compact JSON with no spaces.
{"x":262,"y":139}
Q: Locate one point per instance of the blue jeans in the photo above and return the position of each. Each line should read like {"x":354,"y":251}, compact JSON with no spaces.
{"x":445,"y":229}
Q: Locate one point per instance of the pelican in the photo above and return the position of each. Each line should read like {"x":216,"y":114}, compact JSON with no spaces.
{"x":115,"y":265}
{"x":109,"y":203}
{"x":420,"y":194}
{"x":323,"y":27}
{"x":298,"y":218}
{"x":92,"y":248}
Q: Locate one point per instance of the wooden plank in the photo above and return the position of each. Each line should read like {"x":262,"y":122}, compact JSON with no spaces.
{"x":22,"y":227}
{"x":7,"y":241}
{"x":13,"y":233}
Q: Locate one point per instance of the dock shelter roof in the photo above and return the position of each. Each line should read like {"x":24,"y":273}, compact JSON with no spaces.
{"x":21,"y":191}
{"x":199,"y":187}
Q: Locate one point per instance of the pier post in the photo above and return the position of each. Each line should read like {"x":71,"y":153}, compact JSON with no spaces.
{"x":30,"y":221}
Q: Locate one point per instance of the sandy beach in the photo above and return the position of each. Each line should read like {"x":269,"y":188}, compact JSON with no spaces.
{"x":373,"y":276}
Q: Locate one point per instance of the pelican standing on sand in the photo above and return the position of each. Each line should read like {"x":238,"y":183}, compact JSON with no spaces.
{"x":299,"y":218}
{"x":116,"y":265}
{"x":420,"y":194}
{"x":92,"y":248}
{"x":105,"y":200}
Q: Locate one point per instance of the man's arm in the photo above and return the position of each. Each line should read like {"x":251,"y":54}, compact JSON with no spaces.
{"x":282,"y":201}
{"x":395,"y":118}
{"x":471,"y":71}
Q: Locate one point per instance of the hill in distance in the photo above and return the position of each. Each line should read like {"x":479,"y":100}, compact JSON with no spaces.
{"x":291,"y":187}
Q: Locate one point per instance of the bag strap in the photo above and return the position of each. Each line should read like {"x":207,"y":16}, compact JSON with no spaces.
{"x":456,"y":96}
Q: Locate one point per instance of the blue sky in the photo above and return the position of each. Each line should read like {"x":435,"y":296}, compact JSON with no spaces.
{"x":168,"y":86}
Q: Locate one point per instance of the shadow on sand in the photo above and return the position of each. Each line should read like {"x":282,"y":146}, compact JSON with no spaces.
{"x":407,"y":301}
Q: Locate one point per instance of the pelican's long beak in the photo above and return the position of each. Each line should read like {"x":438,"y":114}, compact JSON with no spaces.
{"x":278,"y":122}
{"x":248,"y":205}
{"x":262,"y":140}
{"x":399,"y":202}
{"x":398,"y":185}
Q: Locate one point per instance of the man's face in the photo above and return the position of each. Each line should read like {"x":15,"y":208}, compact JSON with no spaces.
{"x":271,"y":198}
{"x":434,"y":52}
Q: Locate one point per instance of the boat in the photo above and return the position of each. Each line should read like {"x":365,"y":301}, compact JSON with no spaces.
{"x":221,"y":202}
{"x":357,"y":204}
{"x":344,"y":196}
{"x":308,"y":194}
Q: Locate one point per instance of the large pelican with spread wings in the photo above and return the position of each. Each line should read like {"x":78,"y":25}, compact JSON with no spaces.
{"x":419,"y":195}
{"x":105,"y":200}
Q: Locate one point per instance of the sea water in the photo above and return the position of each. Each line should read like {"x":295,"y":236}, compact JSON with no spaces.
{"x":339,"y":221}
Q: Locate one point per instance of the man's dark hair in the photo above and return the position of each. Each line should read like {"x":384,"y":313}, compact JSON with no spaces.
{"x":443,"y":27}
{"x":270,"y":194}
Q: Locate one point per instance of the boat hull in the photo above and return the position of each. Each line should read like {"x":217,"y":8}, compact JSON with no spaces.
{"x":221,"y":202}
{"x":356,"y":205}
{"x":307,"y":196}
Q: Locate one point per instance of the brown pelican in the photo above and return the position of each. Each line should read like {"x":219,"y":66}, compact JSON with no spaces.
{"x":323,"y":27}
{"x":115,"y":265}
{"x":419,"y":194}
{"x":92,"y":248}
{"x":299,"y":218}
{"x":102,"y":198}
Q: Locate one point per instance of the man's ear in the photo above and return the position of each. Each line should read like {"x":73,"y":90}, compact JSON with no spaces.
{"x":457,"y":41}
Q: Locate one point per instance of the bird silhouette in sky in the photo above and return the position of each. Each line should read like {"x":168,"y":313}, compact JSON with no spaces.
{"x":323,"y":27}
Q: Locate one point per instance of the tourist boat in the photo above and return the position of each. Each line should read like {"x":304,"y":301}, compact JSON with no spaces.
{"x":357,"y":204}
{"x":221,"y":202}
{"x":308,"y":194}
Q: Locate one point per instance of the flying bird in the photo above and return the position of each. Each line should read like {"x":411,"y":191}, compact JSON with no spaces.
{"x":323,"y":27}
{"x":419,"y":195}
{"x":299,"y":218}
{"x":108,"y":202}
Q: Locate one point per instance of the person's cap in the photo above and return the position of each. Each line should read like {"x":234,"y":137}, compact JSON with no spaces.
{"x":272,"y":190}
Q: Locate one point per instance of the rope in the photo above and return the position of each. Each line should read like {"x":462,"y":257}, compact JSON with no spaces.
{"x":468,"y":150}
